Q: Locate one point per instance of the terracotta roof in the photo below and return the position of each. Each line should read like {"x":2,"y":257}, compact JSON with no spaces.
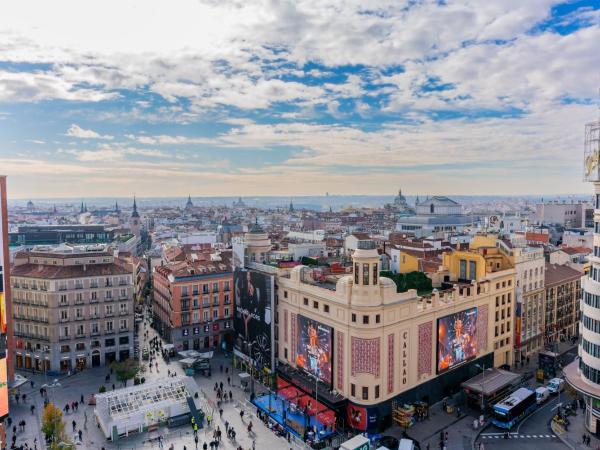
{"x":558,"y":274}
{"x":576,"y":250}
{"x":63,"y":272}
{"x":538,"y":237}
{"x":201,"y":265}
{"x":361,"y":236}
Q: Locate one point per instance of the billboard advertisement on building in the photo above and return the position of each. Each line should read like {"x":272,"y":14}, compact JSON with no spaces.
{"x":254,"y":306}
{"x":314,"y":348}
{"x":457,"y":339}
{"x":3,"y":300}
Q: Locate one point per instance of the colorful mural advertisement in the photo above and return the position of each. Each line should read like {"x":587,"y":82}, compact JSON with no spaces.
{"x":457,"y":339}
{"x":313,"y":353}
{"x":253,"y":317}
{"x":3,"y":314}
{"x":361,"y":418}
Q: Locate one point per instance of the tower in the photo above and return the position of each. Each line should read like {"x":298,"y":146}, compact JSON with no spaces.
{"x":134,"y":220}
{"x":584,"y":374}
{"x":291,"y":206}
{"x":365,"y":265}
{"x":189,"y":205}
{"x":117,"y":207}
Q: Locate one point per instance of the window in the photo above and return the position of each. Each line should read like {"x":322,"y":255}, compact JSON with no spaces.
{"x":64,"y":315}
{"x":356,"y":266}
{"x":285,"y":353}
{"x":377,"y":391}
{"x":94,"y":295}
{"x":109,"y":325}
{"x":108,"y":295}
{"x":215,"y":313}
{"x":226,"y":311}
{"x":377,"y":318}
{"x":123,"y":324}
{"x":65,"y":331}
{"x":80,"y":331}
{"x":473,"y":270}
{"x":123,"y":340}
{"x":315,"y":305}
{"x":95,"y":327}
{"x":226,"y":286}
{"x":353,"y":390}
{"x":305,"y":301}
{"x":365,"y":393}
{"x":79,"y":313}
{"x":109,"y":310}
{"x":123,"y":308}
{"x":109,"y":342}
{"x":365,"y":320}
{"x":326,"y":308}
{"x":80,"y":346}
{"x":205,"y":288}
{"x":365,"y":274}
{"x":375,"y":274}
{"x":462,"y":269}
{"x":205,"y":315}
{"x":226,"y":299}
{"x":497,"y":302}
{"x":215,"y":287}
{"x":353,"y":317}
{"x":195,"y":289}
{"x":63,"y":299}
{"x":285,"y":294}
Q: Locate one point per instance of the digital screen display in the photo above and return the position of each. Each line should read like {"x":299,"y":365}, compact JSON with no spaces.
{"x":314,"y":344}
{"x":3,"y":313}
{"x":253,"y":316}
{"x":457,"y":339}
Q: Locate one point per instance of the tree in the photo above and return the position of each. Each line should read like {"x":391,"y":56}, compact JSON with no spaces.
{"x":53,"y":426}
{"x":126,"y":370}
{"x":413,"y":280}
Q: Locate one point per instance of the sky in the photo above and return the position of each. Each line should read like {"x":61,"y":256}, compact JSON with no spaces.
{"x":266,"y":97}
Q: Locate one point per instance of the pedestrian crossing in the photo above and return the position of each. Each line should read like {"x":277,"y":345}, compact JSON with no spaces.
{"x":517,"y":436}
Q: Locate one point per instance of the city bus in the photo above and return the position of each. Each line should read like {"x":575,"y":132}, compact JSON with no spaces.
{"x":514,"y":408}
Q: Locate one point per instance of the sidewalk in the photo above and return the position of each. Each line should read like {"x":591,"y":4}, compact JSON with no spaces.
{"x":574,"y":437}
{"x":460,"y":429}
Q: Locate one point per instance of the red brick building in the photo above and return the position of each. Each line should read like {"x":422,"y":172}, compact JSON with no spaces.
{"x":193,"y":298}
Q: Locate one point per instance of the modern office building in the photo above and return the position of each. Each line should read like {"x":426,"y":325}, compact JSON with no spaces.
{"x":30,"y":235}
{"x":193,"y":298}
{"x":73,"y":308}
{"x":584,"y":373}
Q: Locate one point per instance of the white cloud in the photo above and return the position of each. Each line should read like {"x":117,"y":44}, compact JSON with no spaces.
{"x":78,"y":132}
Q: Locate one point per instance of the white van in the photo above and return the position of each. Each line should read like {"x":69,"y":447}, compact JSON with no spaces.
{"x":556,"y":385}
{"x":542,"y":394}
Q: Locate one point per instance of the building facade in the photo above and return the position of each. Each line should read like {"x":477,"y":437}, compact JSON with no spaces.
{"x":386,"y":346}
{"x":583,"y":374}
{"x":193,"y":301}
{"x":73,"y":308}
{"x":563,"y":295}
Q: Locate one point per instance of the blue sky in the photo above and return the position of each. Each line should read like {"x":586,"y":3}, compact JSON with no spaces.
{"x":242,"y":97}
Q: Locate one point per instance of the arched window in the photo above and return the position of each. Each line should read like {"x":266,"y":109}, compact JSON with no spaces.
{"x":431,"y":208}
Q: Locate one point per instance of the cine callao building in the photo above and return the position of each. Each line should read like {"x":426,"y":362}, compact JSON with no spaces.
{"x":371,"y":348}
{"x":583,"y":374}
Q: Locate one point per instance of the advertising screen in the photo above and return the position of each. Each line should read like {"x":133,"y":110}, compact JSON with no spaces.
{"x":3,"y":300}
{"x":313,"y":353}
{"x":457,"y":339}
{"x":253,"y":316}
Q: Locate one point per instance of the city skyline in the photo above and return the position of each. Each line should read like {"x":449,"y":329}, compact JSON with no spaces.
{"x":300,"y":98}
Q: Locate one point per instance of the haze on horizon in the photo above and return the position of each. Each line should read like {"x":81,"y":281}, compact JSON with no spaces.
{"x":255,"y":98}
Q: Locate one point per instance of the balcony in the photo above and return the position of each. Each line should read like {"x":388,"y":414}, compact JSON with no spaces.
{"x":64,"y":319}
{"x":123,"y":313}
{"x":95,"y":333}
{"x":31,"y":336}
{"x":109,"y":299}
{"x":109,"y":314}
{"x":64,"y":338}
{"x":109,"y":332}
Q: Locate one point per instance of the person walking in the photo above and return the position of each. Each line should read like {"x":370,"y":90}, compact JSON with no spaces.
{"x":80,"y":434}
{"x":74,"y":425}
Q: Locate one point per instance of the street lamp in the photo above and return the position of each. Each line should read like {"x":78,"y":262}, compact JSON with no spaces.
{"x":483,"y":369}
{"x":250,"y":345}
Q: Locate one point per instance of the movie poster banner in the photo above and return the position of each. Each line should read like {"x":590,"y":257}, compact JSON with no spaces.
{"x":254,"y":306}
{"x":314,"y":344}
{"x":457,"y":339}
{"x":3,"y":300}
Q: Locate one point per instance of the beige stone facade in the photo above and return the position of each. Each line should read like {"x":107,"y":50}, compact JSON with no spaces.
{"x":73,"y":307}
{"x":385,"y":343}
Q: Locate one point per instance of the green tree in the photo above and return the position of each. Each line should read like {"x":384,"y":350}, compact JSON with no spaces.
{"x":126,"y":370}
{"x":53,"y":426}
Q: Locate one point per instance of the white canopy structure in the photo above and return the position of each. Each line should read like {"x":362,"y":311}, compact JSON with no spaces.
{"x":137,"y":408}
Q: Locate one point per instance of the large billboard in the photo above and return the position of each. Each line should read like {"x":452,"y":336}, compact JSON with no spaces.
{"x":314,"y":344}
{"x":457,"y":339}
{"x":3,"y":300}
{"x":254,"y":309}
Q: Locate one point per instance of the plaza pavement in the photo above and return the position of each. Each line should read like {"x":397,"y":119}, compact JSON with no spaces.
{"x":87,"y":382}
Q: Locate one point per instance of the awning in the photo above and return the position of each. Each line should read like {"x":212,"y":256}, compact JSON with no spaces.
{"x":244,"y":375}
{"x":18,"y":381}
